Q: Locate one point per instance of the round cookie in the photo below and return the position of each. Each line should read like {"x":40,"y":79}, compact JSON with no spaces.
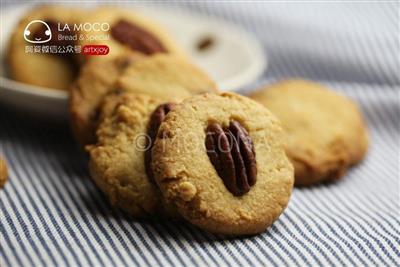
{"x":117,"y":160}
{"x":162,"y":76}
{"x":50,"y":70}
{"x":126,"y":30}
{"x":325,"y":132}
{"x":220,"y":159}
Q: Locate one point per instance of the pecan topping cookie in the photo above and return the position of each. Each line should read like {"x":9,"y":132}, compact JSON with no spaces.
{"x":129,"y":31}
{"x":220,"y":159}
{"x":136,"y":38}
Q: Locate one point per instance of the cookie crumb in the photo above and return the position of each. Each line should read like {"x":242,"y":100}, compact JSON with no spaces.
{"x":3,"y":172}
{"x":187,"y":191}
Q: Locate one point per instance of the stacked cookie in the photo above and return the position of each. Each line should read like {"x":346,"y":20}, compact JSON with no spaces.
{"x":161,"y":146}
{"x":217,"y":160}
{"x":164,"y":143}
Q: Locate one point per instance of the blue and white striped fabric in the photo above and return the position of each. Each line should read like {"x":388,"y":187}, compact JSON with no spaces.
{"x":51,"y":214}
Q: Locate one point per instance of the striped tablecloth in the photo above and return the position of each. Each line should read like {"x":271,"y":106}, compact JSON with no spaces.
{"x":51,"y":214}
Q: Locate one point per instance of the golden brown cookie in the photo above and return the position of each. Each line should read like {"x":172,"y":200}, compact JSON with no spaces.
{"x":220,"y":159}
{"x":125,"y":30}
{"x":162,"y":76}
{"x":118,"y":159}
{"x":44,"y":68}
{"x":3,"y":172}
{"x":325,"y":132}
{"x":96,"y":80}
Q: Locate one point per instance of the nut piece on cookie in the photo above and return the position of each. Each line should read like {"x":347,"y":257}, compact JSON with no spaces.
{"x":162,"y":76}
{"x":220,"y":159}
{"x":38,"y":29}
{"x":119,"y":161}
{"x":325,"y":132}
{"x":127,"y":30}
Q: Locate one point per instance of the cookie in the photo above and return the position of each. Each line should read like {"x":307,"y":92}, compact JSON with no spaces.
{"x":161,"y":76}
{"x":325,"y":132}
{"x":220,"y":159}
{"x":127,"y":30}
{"x":118,"y":159}
{"x":46,"y":68}
{"x":96,"y":80}
{"x":3,"y":172}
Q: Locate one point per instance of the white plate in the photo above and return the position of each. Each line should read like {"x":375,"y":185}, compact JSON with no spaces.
{"x":234,"y":60}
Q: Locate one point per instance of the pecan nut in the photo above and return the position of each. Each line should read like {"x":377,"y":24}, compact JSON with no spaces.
{"x":232,"y":154}
{"x":136,"y":38}
{"x":156,"y":118}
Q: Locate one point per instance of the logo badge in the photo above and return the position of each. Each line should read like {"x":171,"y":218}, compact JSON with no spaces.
{"x":40,"y":38}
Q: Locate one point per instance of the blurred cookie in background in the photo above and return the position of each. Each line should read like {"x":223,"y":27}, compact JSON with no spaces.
{"x":325,"y":131}
{"x":48,"y":45}
{"x":36,"y":56}
{"x":124,"y":30}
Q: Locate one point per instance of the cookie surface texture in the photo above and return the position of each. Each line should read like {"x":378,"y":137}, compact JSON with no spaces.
{"x":325,"y":132}
{"x":117,"y":160}
{"x":233,"y":192}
